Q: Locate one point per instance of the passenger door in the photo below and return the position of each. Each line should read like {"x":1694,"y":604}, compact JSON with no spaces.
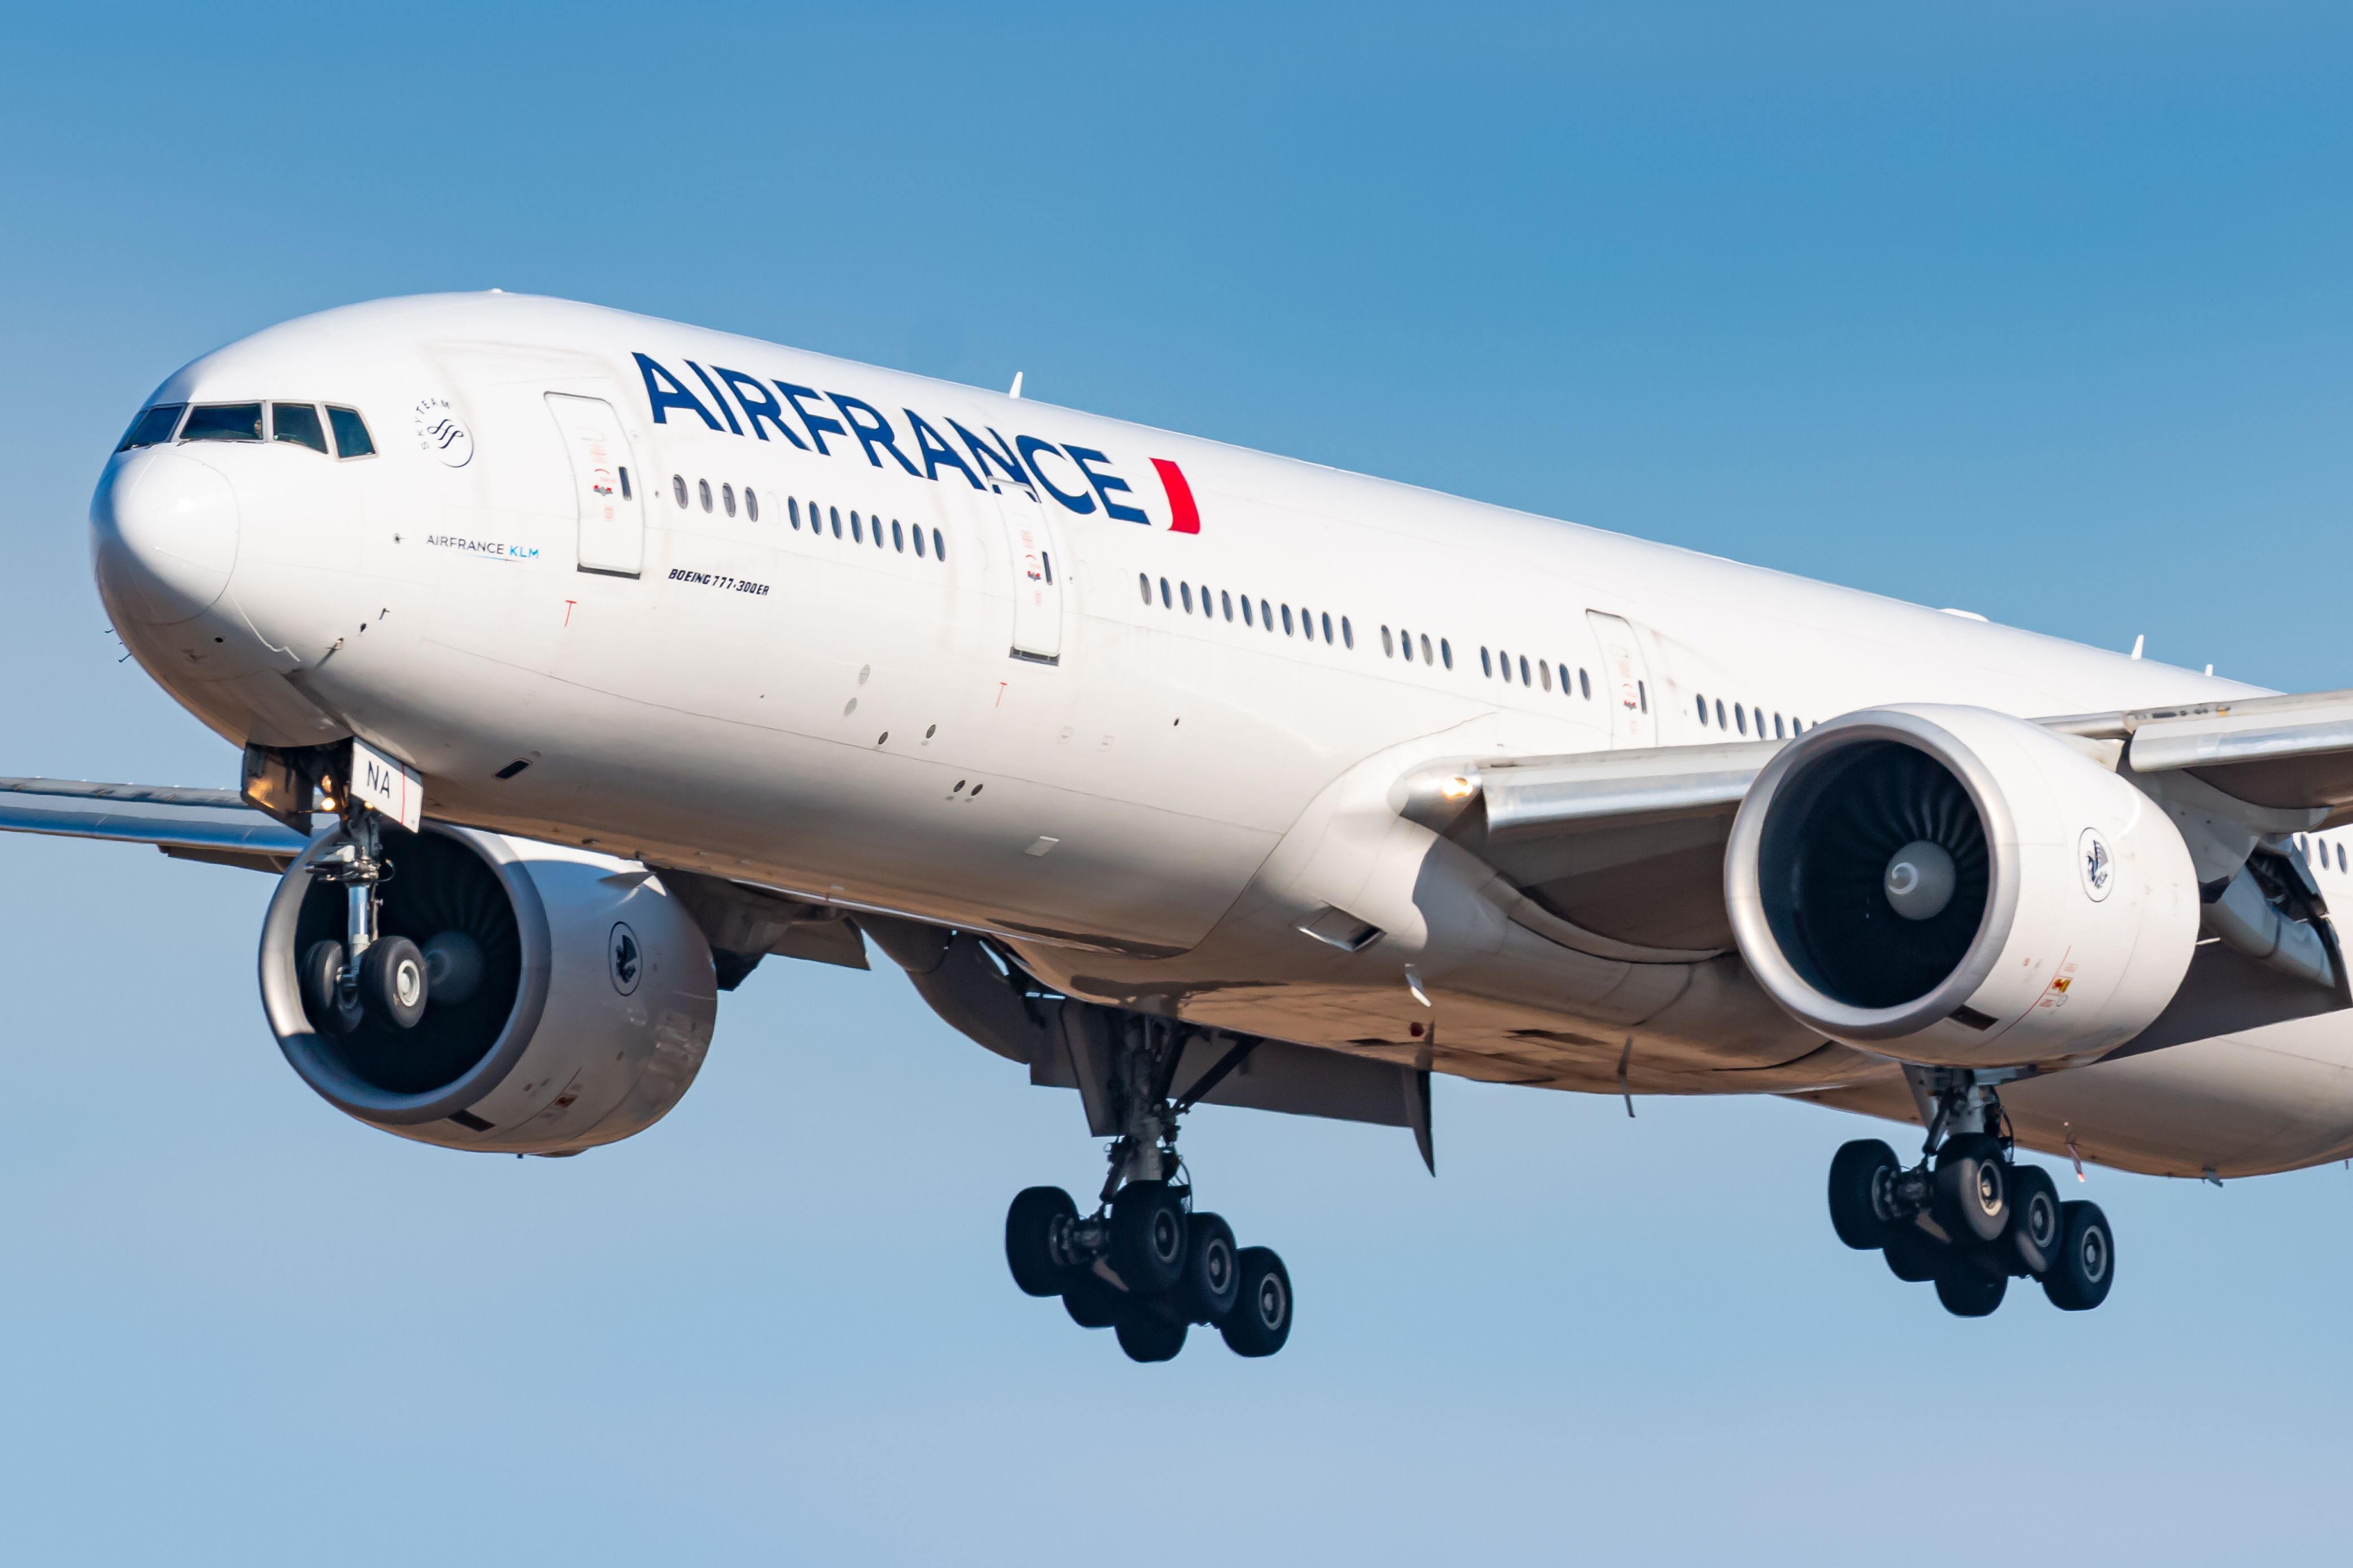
{"x":611,"y":490}
{"x":1626,"y":680}
{"x":1039,"y":571}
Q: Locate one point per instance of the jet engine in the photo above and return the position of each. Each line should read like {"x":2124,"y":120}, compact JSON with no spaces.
{"x":1955,"y":887}
{"x":571,"y":1001}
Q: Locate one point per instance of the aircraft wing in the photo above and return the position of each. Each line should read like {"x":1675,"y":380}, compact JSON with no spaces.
{"x":1625,"y":848}
{"x":2282,"y":753}
{"x":214,"y":825}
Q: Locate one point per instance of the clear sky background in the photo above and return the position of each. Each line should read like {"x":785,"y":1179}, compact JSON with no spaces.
{"x":2044,"y":311}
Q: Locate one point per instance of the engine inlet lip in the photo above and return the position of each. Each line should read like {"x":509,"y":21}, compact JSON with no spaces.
{"x":282,"y":992}
{"x":1743,"y":890}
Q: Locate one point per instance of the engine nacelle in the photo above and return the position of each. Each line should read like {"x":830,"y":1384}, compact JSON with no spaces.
{"x":582,"y":1013}
{"x":1954,"y":886}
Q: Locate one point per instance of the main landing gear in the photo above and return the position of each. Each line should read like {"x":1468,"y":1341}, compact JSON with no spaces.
{"x":1969,"y":1219}
{"x":1146,"y":1264}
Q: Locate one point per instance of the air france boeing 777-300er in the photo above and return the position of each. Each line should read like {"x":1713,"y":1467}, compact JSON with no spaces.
{"x":581,"y":660}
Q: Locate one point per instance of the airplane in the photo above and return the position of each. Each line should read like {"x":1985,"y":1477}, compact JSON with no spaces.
{"x":580,"y":661}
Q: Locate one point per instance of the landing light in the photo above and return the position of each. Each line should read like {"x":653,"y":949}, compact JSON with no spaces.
{"x":1457,"y":788}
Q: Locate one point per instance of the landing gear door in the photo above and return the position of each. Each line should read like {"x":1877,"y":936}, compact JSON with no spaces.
{"x":1626,"y":682}
{"x":1039,"y":571}
{"x":608,"y":486}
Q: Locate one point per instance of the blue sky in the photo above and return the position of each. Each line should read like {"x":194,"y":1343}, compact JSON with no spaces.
{"x":2047,"y":316}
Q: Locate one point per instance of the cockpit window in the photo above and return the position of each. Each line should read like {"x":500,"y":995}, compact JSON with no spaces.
{"x":298,"y":423}
{"x":223,"y":422}
{"x":154,"y":426}
{"x":351,"y":433}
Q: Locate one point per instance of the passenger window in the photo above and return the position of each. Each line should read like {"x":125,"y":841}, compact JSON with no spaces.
{"x":1167,"y":601}
{"x":351,"y":433}
{"x":1777,"y":726}
{"x":1185,"y":592}
{"x":1739,"y":718}
{"x":1486,"y":665}
{"x":678,"y":488}
{"x":1246,"y":612}
{"x":2340,"y":857}
{"x":1266,"y":616}
{"x":703,"y":492}
{"x":1143,"y":586}
{"x":1543,"y":672}
{"x":1347,"y":633}
{"x":223,"y":422}
{"x":1585,"y":685}
{"x":1326,"y":619}
{"x":1446,"y":652}
{"x":297,"y":424}
{"x":626,"y":494}
{"x":1703,"y":707}
{"x":1721,"y":721}
{"x":751,"y":497}
{"x":898,"y":539}
{"x":1388,"y":644}
{"x":918,"y":531}
{"x":1286,"y":621}
{"x":727,"y":494}
{"x":1523,"y":670}
{"x":939,"y":546}
{"x":154,"y":426}
{"x":1425,"y":651}
{"x":856,"y":535}
{"x":1226,"y":603}
{"x":1045,"y":559}
{"x":1642,"y":691}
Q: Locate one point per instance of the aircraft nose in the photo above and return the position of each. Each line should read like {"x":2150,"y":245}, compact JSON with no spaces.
{"x":162,"y":536}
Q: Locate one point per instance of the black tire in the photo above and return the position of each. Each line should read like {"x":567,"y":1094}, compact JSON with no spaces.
{"x":1090,"y":1300}
{"x":1260,"y":1323}
{"x":2080,"y":1275}
{"x":1912,"y":1254}
{"x":1968,"y":1289}
{"x":1973,"y":1188}
{"x":1860,"y":1172}
{"x":1212,"y":1277}
{"x":2036,"y":1224}
{"x":322,"y":976}
{"x":1147,"y":1333}
{"x":1036,"y":1226}
{"x":1147,"y":1237}
{"x":392,"y":979}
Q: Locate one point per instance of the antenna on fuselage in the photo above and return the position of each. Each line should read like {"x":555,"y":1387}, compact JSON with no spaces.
{"x":1017,"y":386}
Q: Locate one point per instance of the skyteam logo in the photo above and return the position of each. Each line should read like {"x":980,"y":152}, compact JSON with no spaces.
{"x":440,"y":432}
{"x":1080,"y":479}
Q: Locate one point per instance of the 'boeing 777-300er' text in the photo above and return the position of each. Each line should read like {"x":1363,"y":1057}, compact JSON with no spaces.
{"x":582,"y":660}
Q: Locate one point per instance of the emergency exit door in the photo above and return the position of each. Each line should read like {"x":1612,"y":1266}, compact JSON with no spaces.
{"x":1039,"y":571}
{"x":610,"y":493}
{"x":1626,"y":681}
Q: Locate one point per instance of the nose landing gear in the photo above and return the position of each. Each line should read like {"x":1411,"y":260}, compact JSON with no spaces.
{"x":1969,"y":1219}
{"x":343,"y":982}
{"x":1146,"y":1263}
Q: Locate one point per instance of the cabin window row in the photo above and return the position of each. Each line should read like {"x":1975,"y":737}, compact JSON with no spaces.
{"x":2317,"y":851}
{"x":818,"y":518}
{"x":1223,"y":602}
{"x":294,"y":423}
{"x":1741,"y":718}
{"x":1534,"y":674}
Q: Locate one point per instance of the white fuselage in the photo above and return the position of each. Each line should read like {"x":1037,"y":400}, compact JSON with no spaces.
{"x":1036,"y":736}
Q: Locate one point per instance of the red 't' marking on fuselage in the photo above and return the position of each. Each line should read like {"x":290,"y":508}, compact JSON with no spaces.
{"x":1180,"y":497}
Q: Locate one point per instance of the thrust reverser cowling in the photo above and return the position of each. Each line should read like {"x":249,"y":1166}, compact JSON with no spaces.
{"x":579,"y":1015}
{"x":1954,"y":886}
